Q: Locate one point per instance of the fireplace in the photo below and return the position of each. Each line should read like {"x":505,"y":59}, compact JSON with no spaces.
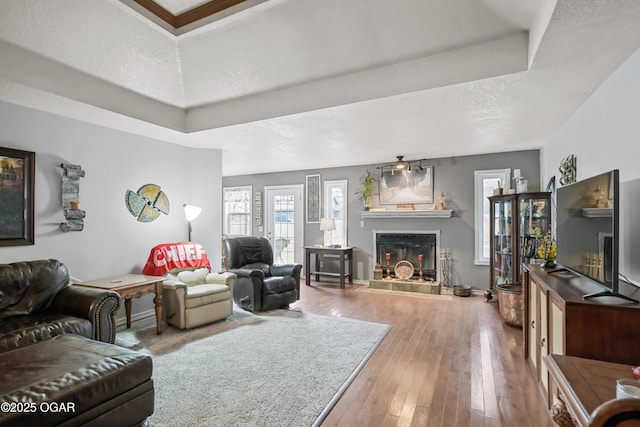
{"x":408,"y":245}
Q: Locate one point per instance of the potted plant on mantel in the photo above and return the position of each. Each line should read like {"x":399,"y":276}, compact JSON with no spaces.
{"x":367,"y":181}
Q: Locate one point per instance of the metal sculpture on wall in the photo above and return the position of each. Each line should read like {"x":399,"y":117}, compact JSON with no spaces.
{"x":71,"y":198}
{"x":147,"y":203}
{"x":568,"y":170}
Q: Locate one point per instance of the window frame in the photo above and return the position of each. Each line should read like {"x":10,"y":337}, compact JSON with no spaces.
{"x":482,"y":204}
{"x":226,"y":214}
{"x":340,"y":222}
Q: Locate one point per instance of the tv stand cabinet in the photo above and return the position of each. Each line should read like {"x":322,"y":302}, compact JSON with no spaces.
{"x":559,"y":320}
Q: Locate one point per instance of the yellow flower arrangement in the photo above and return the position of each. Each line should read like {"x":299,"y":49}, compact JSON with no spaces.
{"x":547,"y":249}
{"x":535,"y":232}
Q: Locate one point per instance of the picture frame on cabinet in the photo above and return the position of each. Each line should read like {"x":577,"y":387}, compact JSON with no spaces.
{"x":551,"y":185}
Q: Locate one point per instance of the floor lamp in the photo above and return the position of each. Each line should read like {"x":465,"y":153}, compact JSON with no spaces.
{"x":191,"y":212}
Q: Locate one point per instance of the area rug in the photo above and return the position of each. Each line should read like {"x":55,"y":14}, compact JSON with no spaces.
{"x":282,"y":368}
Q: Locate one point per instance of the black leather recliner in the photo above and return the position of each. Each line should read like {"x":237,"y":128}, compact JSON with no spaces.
{"x":260,"y":285}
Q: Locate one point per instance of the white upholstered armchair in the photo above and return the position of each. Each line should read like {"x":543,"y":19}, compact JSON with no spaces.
{"x":194,"y":297}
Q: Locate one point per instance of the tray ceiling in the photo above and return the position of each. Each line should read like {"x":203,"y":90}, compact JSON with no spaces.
{"x":180,"y":16}
{"x":312,"y":84}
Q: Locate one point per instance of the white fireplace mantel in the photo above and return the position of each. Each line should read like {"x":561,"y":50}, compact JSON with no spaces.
{"x":407,"y":214}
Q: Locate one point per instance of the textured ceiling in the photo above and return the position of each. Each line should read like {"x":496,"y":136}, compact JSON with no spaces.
{"x":303,"y":84}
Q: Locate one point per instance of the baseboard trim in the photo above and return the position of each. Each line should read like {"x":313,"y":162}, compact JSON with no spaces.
{"x":122,"y":321}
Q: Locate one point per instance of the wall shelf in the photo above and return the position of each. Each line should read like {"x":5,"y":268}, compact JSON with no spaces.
{"x":447,"y":213}
{"x":597,"y":212}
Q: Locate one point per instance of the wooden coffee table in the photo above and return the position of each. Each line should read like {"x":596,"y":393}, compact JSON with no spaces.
{"x":132,"y":286}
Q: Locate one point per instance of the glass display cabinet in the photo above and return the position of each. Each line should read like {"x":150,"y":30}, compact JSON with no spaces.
{"x":517,"y":223}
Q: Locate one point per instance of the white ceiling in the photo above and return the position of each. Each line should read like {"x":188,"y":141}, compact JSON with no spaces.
{"x":305,"y":84}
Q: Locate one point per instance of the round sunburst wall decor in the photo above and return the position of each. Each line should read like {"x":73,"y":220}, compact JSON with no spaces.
{"x":147,"y":203}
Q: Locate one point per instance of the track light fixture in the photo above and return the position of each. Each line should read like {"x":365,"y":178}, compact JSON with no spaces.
{"x":400,"y":165}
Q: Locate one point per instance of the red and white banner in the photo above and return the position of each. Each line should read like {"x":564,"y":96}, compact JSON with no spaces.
{"x":167,"y":256}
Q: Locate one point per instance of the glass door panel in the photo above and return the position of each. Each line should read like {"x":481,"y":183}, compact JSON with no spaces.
{"x":284,"y":237}
{"x":535,"y":222}
{"x":284,"y":223}
{"x":503,"y":247}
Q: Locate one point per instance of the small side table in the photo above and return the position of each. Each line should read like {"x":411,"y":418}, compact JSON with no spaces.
{"x":585,"y":384}
{"x":346,"y":257}
{"x":132,"y":286}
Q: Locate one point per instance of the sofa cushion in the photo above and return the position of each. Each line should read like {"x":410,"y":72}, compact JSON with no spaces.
{"x":20,"y":331}
{"x":277,"y":284}
{"x":193,"y":278}
{"x":68,"y":369}
{"x":30,"y":286}
{"x":206,"y":294}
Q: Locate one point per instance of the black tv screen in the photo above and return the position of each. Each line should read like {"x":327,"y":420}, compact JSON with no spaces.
{"x":587,"y":228}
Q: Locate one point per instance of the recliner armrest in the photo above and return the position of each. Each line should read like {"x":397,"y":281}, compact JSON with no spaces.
{"x":225,"y":278}
{"x":97,"y":305}
{"x":285,"y":270}
{"x":173,"y":284}
{"x":244,"y":272}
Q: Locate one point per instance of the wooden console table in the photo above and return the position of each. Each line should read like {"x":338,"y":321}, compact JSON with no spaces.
{"x":345,"y":255}
{"x":585,"y":384}
{"x":132,"y":286}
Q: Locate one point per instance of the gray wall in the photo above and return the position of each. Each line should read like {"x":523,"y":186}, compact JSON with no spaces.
{"x":453,"y":176}
{"x":113,"y":242}
{"x":603,"y":135}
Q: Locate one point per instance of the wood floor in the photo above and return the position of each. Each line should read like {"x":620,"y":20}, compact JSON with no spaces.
{"x":445,"y":362}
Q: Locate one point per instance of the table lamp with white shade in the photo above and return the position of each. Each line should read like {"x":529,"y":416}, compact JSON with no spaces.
{"x":328,"y":225}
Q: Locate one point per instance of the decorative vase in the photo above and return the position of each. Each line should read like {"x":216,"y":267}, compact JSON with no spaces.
{"x":511,"y":303}
{"x":549,"y":264}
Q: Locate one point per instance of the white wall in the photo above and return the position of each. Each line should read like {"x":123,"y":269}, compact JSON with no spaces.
{"x":113,"y":242}
{"x":604,"y":134}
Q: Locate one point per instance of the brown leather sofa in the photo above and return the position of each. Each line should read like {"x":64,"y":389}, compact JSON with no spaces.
{"x":37,"y":302}
{"x":57,"y":363}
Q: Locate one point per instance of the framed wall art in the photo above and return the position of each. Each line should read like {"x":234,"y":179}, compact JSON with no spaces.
{"x":17,"y":181}
{"x":399,"y":187}
{"x":313,"y":198}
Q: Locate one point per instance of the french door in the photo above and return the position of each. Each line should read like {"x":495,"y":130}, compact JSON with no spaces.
{"x":284,"y":224}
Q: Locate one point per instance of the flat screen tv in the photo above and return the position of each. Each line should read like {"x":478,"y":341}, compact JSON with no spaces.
{"x":587,"y":230}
